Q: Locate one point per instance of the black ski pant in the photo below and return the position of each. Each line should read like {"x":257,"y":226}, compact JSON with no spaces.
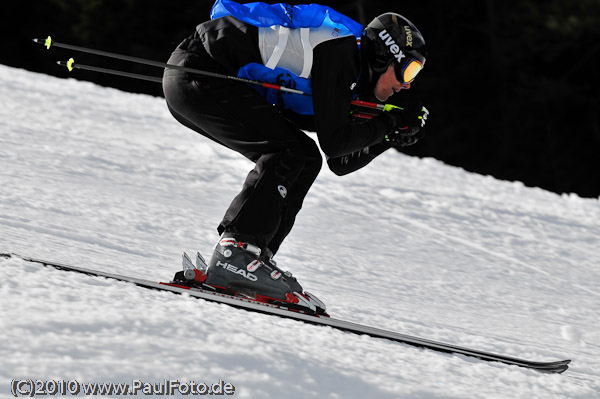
{"x":233,"y":114}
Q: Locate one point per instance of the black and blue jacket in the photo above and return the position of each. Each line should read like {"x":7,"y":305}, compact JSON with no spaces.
{"x":308,"y":47}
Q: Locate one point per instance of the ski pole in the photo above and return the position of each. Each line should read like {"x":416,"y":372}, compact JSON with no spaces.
{"x":72,"y":65}
{"x":48,"y":43}
{"x":380,"y":107}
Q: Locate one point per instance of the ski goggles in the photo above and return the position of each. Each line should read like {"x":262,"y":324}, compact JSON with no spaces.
{"x":407,"y":71}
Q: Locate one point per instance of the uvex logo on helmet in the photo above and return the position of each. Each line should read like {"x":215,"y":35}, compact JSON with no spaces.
{"x":393,"y":47}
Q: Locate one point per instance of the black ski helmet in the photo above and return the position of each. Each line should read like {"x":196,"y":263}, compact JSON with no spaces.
{"x":392,"y":38}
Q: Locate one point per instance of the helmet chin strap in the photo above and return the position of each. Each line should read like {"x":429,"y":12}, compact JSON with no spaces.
{"x":375,"y":74}
{"x":374,"y":79}
{"x":369,"y":76}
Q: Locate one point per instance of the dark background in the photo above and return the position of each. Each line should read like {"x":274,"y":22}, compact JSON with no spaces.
{"x":512,"y":87}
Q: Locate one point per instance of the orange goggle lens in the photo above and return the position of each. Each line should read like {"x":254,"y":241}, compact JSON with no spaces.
{"x":407,"y":72}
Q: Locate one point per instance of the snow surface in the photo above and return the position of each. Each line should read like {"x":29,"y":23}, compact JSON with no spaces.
{"x":104,"y":179}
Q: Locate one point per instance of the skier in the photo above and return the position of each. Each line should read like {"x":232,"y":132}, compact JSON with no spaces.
{"x":309,"y":47}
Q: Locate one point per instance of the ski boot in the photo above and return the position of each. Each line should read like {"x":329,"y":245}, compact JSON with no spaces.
{"x":236,"y":268}
{"x":267,"y":259}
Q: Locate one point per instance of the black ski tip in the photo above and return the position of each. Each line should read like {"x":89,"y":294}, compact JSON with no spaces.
{"x":562,"y":366}
{"x":557,"y":367}
{"x":556,"y":370}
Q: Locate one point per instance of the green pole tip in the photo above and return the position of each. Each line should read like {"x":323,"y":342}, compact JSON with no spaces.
{"x":48,"y":42}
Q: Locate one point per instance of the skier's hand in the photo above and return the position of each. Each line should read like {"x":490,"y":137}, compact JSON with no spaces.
{"x":408,"y":124}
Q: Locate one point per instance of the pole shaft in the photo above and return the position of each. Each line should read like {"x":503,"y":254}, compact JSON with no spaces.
{"x":112,"y":72}
{"x":170,"y":66}
{"x":380,"y":107}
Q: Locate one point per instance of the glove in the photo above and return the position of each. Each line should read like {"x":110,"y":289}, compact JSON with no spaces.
{"x":408,"y":124}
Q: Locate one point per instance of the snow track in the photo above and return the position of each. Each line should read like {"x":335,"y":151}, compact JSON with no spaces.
{"x":110,"y":180}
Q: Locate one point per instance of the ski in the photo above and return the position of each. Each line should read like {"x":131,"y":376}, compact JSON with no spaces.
{"x":321,"y":320}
